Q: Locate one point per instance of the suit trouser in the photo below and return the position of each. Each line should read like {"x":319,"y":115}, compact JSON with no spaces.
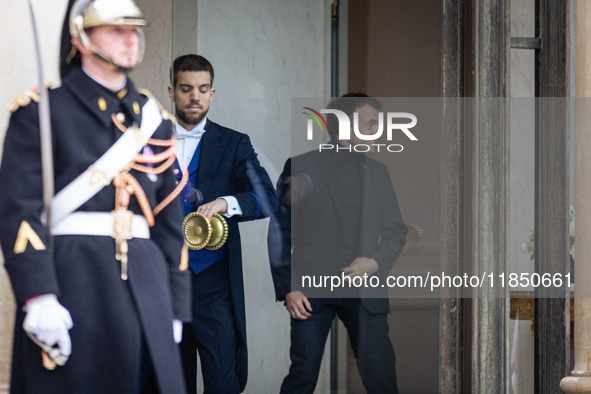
{"x":368,"y":334}
{"x":212,"y":332}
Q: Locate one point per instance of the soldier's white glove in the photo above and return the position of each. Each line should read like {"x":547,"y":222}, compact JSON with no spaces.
{"x":177,"y":330}
{"x":49,"y":322}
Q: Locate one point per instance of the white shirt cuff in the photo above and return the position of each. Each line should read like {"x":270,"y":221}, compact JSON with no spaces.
{"x":233,"y":207}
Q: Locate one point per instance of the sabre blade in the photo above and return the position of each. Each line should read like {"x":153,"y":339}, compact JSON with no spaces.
{"x":46,"y":154}
{"x":45,"y":132}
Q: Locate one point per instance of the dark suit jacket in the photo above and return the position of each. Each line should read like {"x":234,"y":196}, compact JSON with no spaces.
{"x":228,"y":166}
{"x":316,"y":234}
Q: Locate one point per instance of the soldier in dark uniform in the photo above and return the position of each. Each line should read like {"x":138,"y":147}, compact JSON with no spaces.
{"x":111,"y":294}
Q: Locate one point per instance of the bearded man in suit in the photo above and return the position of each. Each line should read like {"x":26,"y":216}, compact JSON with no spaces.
{"x":225,"y":174}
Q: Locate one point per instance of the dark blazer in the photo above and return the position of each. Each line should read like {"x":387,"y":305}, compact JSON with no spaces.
{"x":316,"y":234}
{"x":228,"y":166}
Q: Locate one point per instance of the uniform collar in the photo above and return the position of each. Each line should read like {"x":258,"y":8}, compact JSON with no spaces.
{"x":103,"y":82}
{"x":101,"y":101}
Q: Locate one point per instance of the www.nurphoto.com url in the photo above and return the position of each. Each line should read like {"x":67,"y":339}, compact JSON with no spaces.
{"x":439,"y":281}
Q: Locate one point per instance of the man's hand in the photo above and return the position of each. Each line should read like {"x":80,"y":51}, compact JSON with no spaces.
{"x":216,"y":206}
{"x":361,"y":266}
{"x":298,"y":305}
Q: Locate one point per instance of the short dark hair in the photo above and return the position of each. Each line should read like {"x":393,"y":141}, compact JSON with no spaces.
{"x":348,"y":103}
{"x":189,"y":62}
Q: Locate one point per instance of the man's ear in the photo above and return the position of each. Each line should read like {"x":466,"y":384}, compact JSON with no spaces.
{"x":170,"y":93}
{"x":76,"y":42}
{"x":212,"y":90}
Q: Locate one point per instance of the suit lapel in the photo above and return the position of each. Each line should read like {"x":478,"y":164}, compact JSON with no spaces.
{"x":329,"y":174}
{"x":368,"y":218}
{"x":213,"y":145}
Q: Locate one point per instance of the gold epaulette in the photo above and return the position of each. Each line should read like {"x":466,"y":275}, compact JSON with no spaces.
{"x":165,"y":114}
{"x":25,"y":99}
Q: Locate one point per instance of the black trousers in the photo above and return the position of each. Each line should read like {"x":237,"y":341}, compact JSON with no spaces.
{"x":212,"y":332}
{"x":368,"y":334}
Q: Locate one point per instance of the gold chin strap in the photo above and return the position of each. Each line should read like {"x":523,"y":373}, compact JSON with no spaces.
{"x":72,"y":53}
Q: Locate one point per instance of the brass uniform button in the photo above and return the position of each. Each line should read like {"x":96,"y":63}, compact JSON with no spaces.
{"x":120,"y":117}
{"x":122,"y":93}
{"x":136,"y":108}
{"x":102,"y":104}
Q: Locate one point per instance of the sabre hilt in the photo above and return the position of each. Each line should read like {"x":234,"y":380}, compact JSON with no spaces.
{"x":51,"y":356}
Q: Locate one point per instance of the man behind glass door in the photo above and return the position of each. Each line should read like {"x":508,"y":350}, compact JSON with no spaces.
{"x":345,"y":214}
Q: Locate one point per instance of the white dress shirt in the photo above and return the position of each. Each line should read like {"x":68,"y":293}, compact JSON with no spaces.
{"x":186,"y":144}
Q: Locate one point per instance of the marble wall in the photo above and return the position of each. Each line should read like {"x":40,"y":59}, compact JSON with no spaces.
{"x":184,"y":28}
{"x":152,"y":73}
{"x":18,"y":72}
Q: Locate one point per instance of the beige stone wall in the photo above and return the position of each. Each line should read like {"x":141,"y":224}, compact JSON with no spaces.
{"x":17,"y":74}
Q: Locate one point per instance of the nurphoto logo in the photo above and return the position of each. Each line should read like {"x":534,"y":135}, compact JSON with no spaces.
{"x":393,"y":123}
